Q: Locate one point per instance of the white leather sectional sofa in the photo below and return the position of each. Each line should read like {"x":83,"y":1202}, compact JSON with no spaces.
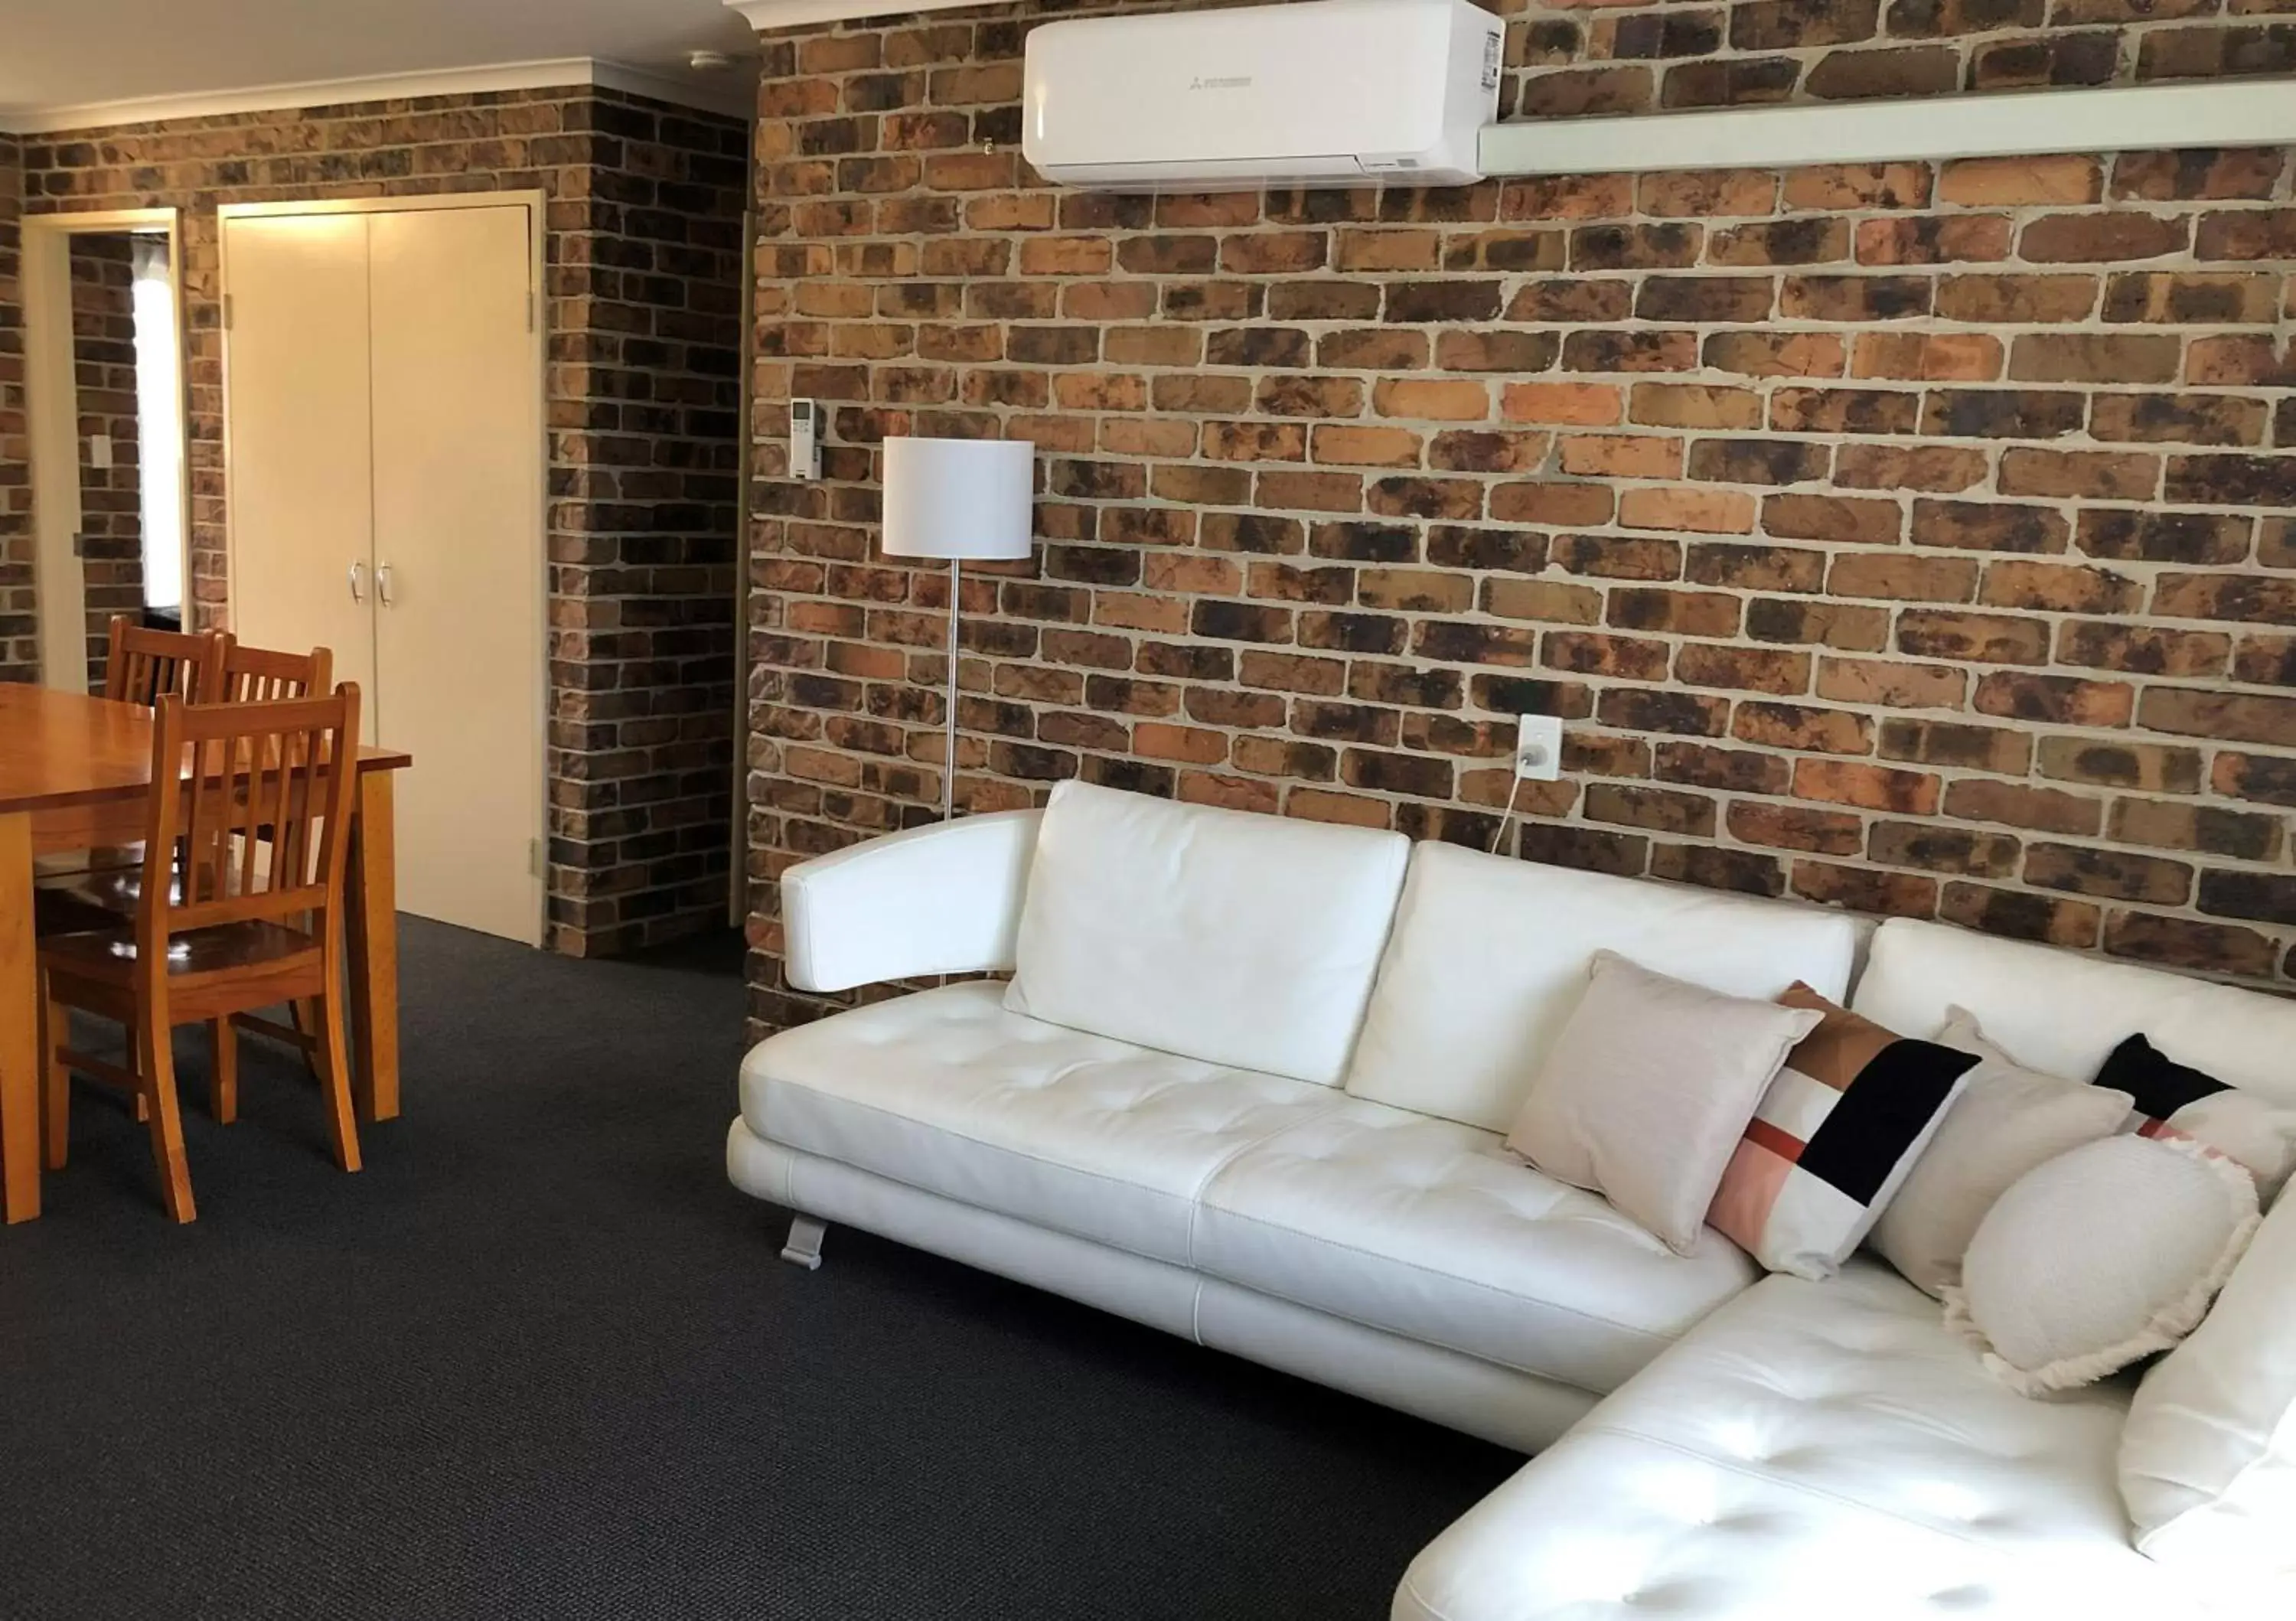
{"x":1248,"y":1087}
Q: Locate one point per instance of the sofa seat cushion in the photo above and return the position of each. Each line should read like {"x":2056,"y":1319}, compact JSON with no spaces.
{"x":948,"y":1092}
{"x":1431,"y":1230}
{"x":1815,"y":1450}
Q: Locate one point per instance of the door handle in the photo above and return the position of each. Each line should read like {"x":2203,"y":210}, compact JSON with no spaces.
{"x":383,"y":583}
{"x":358,"y":582}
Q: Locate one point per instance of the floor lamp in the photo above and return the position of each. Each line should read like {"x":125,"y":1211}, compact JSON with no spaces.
{"x":957,"y":499}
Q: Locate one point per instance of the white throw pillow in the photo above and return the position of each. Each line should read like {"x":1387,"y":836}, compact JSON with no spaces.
{"x":1647,"y":1089}
{"x":1236,"y":938}
{"x":2007,"y":1120}
{"x":2208,"y":1462}
{"x":2103,"y":1255}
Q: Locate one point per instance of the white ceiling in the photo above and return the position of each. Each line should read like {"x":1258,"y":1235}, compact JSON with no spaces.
{"x":69,"y":54}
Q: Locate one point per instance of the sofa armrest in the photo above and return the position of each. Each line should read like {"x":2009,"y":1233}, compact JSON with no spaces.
{"x":944,"y":899}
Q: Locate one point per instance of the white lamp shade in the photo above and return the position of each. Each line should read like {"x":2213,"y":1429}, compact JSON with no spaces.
{"x":962,"y":498}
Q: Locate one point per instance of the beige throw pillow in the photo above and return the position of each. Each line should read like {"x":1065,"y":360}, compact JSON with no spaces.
{"x":1645,"y":1092}
{"x":2007,"y":1120}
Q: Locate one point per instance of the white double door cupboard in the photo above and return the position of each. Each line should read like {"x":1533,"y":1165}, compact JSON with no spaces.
{"x":384,"y":484}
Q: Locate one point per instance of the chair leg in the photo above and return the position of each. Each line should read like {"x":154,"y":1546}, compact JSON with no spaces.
{"x":335,"y":1080}
{"x":222,"y":1095}
{"x":55,"y":1079}
{"x":303,"y":1013}
{"x":141,"y":1104}
{"x":804,"y":1246}
{"x":156,"y":1065}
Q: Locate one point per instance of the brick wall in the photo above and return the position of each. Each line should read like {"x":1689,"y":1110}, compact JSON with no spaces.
{"x":1905,"y":537}
{"x":20,"y":642}
{"x":644,"y":255}
{"x":102,"y":270}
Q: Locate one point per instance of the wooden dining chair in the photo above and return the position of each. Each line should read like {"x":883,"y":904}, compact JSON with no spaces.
{"x":72,"y":899}
{"x":140,"y":664}
{"x":256,"y":674}
{"x":260,"y":674}
{"x":99,"y":895}
{"x":241,"y":909}
{"x":143,"y":663}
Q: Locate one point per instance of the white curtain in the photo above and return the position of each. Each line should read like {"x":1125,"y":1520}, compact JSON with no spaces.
{"x":159,"y":425}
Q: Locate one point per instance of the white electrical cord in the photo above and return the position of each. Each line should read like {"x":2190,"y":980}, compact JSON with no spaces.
{"x":1499,"y":838}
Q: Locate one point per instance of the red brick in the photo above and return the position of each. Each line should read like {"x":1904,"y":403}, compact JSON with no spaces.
{"x":1707,"y":510}
{"x":1430,"y":400}
{"x":1794,"y":727}
{"x":2021,"y":914}
{"x":1928,"y":357}
{"x":2087,"y":475}
{"x":1977,"y":638}
{"x":1795,"y":827}
{"x":2069,"y":178}
{"x":1620,"y":455}
{"x":1943,"y":848}
{"x":2184,"y":943}
{"x":2051,"y":810}
{"x":1891,"y":682}
{"x":1900,"y":577}
{"x":1575,"y":403}
{"x":2064,"y":701}
{"x":1750,"y":669}
{"x":1659,"y":405}
{"x":1863,"y":890}
{"x":1868,"y":787}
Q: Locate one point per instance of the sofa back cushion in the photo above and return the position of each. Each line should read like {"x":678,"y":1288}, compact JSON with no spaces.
{"x":1239,"y":939}
{"x":2063,"y":1013}
{"x":2208,"y":1462}
{"x":1491,"y":956}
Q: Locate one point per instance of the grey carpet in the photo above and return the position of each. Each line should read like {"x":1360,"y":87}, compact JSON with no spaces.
{"x":539,"y":1360}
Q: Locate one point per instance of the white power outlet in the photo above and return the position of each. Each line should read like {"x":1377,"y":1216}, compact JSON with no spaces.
{"x":1538,"y":749}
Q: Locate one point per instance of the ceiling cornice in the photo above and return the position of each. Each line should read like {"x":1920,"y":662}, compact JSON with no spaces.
{"x":733,"y":94}
{"x":766,"y":15}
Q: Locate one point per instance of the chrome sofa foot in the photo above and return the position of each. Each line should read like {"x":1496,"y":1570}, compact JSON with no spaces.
{"x":804,"y":1246}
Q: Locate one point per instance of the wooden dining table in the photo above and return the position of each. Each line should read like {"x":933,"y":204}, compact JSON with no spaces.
{"x":75,"y":774}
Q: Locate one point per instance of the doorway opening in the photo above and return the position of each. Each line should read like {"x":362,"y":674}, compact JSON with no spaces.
{"x":104,"y":392}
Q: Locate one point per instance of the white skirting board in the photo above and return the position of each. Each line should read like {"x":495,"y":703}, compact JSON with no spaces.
{"x":2141,"y":117}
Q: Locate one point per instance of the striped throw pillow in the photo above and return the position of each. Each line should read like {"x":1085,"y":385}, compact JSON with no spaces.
{"x":2175,"y":1100}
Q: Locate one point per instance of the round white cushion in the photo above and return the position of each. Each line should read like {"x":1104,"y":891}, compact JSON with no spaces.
{"x":2102,"y":1256}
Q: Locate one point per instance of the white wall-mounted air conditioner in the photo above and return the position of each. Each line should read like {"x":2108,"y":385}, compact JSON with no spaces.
{"x":1330,"y":92}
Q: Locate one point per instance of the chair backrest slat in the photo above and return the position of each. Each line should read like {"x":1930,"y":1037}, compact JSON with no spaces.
{"x":144,"y":664}
{"x":259,"y":828}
